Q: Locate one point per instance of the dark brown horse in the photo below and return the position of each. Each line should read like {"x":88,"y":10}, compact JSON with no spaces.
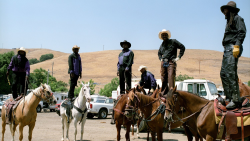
{"x":120,"y":119}
{"x":147,"y":106}
{"x":203,"y":109}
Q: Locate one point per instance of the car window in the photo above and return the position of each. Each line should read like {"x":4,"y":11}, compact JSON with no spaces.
{"x":100,"y":101}
{"x":212,"y":88}
{"x":202,"y":90}
{"x":109,"y":100}
{"x":190,"y":88}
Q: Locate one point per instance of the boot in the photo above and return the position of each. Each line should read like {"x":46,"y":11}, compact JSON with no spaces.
{"x":233,"y":105}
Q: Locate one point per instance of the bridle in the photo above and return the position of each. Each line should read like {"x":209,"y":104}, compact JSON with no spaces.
{"x":172,"y":112}
{"x":48,"y":97}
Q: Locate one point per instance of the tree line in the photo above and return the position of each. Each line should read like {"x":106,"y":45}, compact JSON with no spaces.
{"x":42,"y":58}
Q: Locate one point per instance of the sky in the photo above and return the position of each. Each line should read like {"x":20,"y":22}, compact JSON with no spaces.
{"x":97,"y":25}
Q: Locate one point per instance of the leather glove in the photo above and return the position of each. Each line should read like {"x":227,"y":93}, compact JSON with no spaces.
{"x":117,"y":73}
{"x":236,"y":51}
{"x":151,"y":91}
{"x":176,"y":59}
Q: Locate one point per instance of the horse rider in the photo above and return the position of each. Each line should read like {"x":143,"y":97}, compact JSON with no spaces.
{"x":167,"y":54}
{"x":75,"y":70}
{"x":124,"y":66}
{"x":148,"y":80}
{"x":20,"y":67}
{"x":234,"y":36}
{"x":124,"y":69}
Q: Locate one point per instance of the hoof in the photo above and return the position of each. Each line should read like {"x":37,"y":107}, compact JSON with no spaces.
{"x":62,"y":139}
{"x":67,"y":140}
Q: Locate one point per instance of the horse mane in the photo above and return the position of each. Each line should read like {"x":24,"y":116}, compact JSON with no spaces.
{"x":29,"y":96}
{"x":144,"y":99}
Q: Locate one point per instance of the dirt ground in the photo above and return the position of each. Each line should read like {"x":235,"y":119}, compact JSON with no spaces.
{"x":48,"y":128}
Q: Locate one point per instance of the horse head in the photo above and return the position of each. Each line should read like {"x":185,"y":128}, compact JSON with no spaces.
{"x":85,"y":92}
{"x":47,"y":94}
{"x":171,"y":99}
{"x":132,"y":103}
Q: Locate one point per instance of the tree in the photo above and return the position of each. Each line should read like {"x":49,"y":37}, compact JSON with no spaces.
{"x":79,"y":86}
{"x":40,"y":76}
{"x":108,"y":88}
{"x":5,"y":59}
{"x":183,"y":77}
{"x":249,"y":83}
{"x":33,"y":61}
{"x":46,"y":57}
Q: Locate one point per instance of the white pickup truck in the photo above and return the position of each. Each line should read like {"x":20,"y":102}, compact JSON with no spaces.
{"x":99,"y":106}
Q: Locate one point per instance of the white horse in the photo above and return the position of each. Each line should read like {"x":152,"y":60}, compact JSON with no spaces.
{"x":80,"y":103}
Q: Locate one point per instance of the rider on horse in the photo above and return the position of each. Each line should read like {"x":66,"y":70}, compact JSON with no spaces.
{"x":234,"y":36}
{"x":21,"y":70}
{"x":148,"y":80}
{"x":168,"y":56}
{"x":75,"y":70}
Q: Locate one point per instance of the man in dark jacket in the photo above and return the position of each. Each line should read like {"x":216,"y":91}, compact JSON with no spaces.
{"x":124,"y":66}
{"x":21,"y":70}
{"x":168,"y":56}
{"x":234,"y":36}
{"x":75,"y":70}
{"x":148,"y":80}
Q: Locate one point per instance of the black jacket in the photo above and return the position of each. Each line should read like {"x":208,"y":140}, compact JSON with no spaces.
{"x":168,"y":50}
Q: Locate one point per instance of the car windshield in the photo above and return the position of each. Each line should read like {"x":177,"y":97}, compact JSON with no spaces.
{"x":212,"y":88}
{"x":100,"y":101}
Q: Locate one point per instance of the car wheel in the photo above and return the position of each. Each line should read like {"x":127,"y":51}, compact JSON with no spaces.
{"x":90,"y":115}
{"x":102,"y":114}
{"x":38,"y":109}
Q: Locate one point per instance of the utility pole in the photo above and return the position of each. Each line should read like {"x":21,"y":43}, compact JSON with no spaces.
{"x":52,"y":68}
{"x":48,"y":78}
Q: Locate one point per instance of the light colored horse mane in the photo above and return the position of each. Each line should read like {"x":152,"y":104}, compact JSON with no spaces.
{"x":80,"y":102}
{"x":25,"y":113}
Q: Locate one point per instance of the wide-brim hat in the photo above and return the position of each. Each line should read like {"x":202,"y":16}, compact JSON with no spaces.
{"x":75,"y":46}
{"x":141,"y":67}
{"x":125,"y":42}
{"x":230,"y":5}
{"x":165,"y":31}
{"x":22,"y":49}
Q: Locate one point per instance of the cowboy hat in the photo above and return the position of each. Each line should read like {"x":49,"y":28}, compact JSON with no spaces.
{"x":141,"y":67}
{"x":22,"y":49}
{"x":164,"y":31}
{"x":75,"y":46}
{"x":125,"y":42}
{"x":230,"y":5}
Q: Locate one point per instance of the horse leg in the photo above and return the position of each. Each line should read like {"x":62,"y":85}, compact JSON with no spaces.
{"x":20,"y":131}
{"x":152,"y":135}
{"x":3,"y":126}
{"x":127,"y":132}
{"x":75,"y":125}
{"x":62,"y":120}
{"x":82,"y":125}
{"x":137,"y":131}
{"x":118,"y":128}
{"x":67,"y":131}
{"x":133,"y":129}
{"x":188,"y":132}
{"x":31,"y":127}
{"x":159,"y":136}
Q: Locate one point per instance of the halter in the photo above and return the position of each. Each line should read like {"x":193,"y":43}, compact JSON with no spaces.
{"x":47,"y":96}
{"x":172,"y":111}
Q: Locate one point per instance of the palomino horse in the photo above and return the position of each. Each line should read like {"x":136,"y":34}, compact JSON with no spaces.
{"x":79,"y":114}
{"x":120,"y":119}
{"x":150,"y":107}
{"x":27,"y":115}
{"x":203,"y":109}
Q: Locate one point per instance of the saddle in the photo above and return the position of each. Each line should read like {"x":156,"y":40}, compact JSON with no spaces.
{"x":233,"y":118}
{"x":68,"y":105}
{"x":10,"y":106}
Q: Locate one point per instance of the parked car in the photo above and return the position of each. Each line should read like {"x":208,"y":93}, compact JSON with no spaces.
{"x":99,"y":106}
{"x":1,"y":106}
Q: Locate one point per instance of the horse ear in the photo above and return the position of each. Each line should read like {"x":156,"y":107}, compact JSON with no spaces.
{"x":132,"y":95}
{"x":175,"y":88}
{"x":137,"y":87}
{"x":158,"y":87}
{"x":127,"y":91}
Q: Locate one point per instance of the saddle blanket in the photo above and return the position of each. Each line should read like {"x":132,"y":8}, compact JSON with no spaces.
{"x":246,"y":118}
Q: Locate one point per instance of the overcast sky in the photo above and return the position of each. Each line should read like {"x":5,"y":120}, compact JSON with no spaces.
{"x":94,"y":24}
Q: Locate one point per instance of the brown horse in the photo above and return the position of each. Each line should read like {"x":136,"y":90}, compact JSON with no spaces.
{"x":244,"y":89}
{"x":147,"y":106}
{"x":27,"y":115}
{"x":120,"y":119}
{"x":204,"y":109}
